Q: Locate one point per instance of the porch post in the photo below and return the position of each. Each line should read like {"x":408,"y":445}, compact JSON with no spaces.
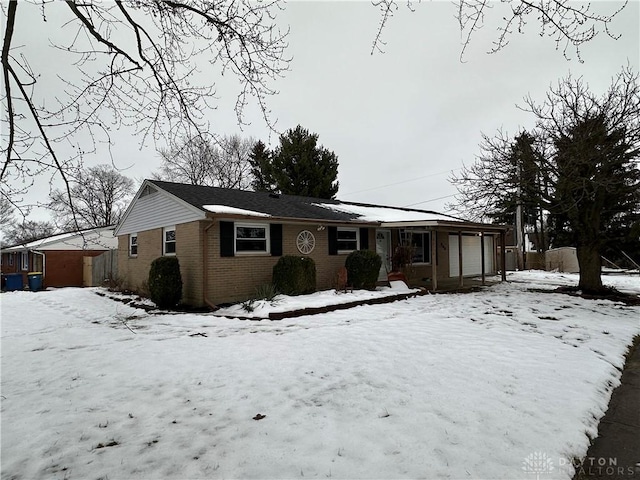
{"x":460,"y":280}
{"x":503,"y":255}
{"x":482,"y":256}
{"x":434,"y":259}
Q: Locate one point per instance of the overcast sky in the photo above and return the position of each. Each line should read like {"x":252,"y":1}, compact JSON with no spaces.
{"x":400,"y":122}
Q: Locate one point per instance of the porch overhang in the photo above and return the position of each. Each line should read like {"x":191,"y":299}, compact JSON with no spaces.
{"x":460,"y":228}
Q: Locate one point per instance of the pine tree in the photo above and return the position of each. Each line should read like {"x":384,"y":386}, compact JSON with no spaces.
{"x":301,"y":167}
{"x":260,"y":159}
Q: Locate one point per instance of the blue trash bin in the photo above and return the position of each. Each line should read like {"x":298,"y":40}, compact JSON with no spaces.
{"x":35,"y":281}
{"x":13,"y":282}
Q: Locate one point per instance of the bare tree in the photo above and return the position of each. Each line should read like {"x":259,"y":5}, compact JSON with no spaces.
{"x":6,"y":213}
{"x":570,"y":24}
{"x":100,"y":196}
{"x":583,"y":172}
{"x":200,"y":161}
{"x":125,"y":63}
{"x":28,"y":231}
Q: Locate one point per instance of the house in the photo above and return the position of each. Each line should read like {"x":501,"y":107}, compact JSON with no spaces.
{"x":227,"y":241}
{"x":59,"y":257}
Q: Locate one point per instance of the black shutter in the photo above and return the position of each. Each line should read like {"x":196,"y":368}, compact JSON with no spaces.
{"x":364,"y":238}
{"x":226,"y":239}
{"x":275,"y":235}
{"x":333,"y":240}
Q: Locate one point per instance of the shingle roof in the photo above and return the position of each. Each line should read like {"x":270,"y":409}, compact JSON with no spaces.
{"x":296,"y":207}
{"x":282,"y":206}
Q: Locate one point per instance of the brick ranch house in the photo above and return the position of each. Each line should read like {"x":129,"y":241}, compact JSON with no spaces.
{"x":59,"y":257}
{"x":227,"y":241}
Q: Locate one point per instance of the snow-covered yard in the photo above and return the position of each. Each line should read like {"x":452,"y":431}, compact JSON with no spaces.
{"x":440,"y":386}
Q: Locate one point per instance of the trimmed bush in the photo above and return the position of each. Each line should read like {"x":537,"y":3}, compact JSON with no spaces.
{"x":294,"y":275}
{"x":363,"y":267}
{"x":165,"y":282}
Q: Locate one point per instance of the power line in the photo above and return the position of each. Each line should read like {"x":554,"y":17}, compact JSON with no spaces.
{"x":400,"y":183}
{"x":432,"y":200}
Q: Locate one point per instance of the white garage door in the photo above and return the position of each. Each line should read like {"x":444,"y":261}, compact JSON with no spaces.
{"x":471,"y":255}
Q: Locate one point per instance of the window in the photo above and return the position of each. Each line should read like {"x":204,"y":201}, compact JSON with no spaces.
{"x":25,"y":260}
{"x":421,"y":243}
{"x":348,"y":239}
{"x":169,"y":243}
{"x":11,"y":257}
{"x":133,"y":245}
{"x":251,"y":238}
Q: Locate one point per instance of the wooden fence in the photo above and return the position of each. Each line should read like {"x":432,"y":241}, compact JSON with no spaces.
{"x":99,"y":271}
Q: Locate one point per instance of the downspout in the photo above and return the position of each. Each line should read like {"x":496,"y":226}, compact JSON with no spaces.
{"x":205,"y":272}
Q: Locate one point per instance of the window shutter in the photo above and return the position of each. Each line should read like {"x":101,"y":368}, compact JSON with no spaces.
{"x":333,"y":240}
{"x":275,"y":231}
{"x":226,"y":239}
{"x":364,"y":238}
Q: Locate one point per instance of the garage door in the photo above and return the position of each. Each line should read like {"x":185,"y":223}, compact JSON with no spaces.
{"x":471,"y":255}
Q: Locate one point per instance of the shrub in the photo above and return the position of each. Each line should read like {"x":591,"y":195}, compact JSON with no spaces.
{"x":165,"y":282}
{"x":363,"y":267}
{"x":402,"y":257}
{"x":294,"y":275}
{"x":266,"y":292}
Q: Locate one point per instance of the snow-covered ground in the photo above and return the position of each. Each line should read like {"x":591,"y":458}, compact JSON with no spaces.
{"x":475,"y":385}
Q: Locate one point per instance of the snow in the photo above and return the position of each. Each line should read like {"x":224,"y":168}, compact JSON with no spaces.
{"x":437,"y":386}
{"x":261,"y":309}
{"x":97,"y":238}
{"x":233,"y":211}
{"x":381,"y":214}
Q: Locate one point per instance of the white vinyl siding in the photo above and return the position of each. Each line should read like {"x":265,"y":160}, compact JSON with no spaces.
{"x":471,"y":255}
{"x":157,"y":210}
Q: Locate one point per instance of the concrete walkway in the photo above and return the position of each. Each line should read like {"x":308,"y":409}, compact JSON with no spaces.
{"x":615,"y":453}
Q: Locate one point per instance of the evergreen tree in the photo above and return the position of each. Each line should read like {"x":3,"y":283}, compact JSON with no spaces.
{"x":260,"y":159}
{"x":301,"y":167}
{"x":584,"y":176}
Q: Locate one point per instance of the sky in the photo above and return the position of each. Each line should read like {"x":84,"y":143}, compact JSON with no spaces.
{"x":401,"y":122}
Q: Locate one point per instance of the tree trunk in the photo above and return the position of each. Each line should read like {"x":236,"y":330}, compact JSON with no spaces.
{"x":590,"y":270}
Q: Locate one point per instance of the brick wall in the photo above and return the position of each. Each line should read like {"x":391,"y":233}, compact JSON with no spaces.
{"x":134,"y":271}
{"x":235,"y":278}
{"x":230,"y":279}
{"x":189,"y":243}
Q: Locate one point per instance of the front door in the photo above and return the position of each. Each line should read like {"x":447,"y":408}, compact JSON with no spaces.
{"x":383,"y":248}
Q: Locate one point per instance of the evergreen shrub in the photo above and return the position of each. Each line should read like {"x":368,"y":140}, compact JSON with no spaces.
{"x":165,"y":282}
{"x":363,"y":267}
{"x":294,"y":275}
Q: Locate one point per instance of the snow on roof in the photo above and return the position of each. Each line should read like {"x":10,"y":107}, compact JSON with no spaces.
{"x":233,"y":210}
{"x":374,"y":213}
{"x":93,"y":239}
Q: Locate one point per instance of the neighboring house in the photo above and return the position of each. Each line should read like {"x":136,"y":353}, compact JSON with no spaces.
{"x":59,"y":257}
{"x":227,"y":241}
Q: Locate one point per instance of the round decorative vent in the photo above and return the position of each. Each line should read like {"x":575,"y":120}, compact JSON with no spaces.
{"x":306,"y":242}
